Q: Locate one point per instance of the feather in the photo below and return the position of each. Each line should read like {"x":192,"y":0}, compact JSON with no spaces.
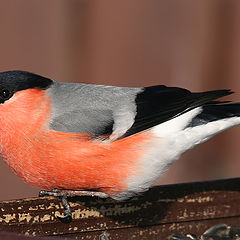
{"x":119,"y":112}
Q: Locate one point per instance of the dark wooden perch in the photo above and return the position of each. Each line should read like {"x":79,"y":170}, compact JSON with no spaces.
{"x":182,"y":208}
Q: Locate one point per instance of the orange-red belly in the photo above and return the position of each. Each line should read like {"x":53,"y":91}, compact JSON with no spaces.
{"x":73,"y":161}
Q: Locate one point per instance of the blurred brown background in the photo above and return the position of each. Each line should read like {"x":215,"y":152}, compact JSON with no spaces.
{"x":191,"y":44}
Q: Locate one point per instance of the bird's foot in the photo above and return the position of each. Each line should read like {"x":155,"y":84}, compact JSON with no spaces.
{"x":64,"y":194}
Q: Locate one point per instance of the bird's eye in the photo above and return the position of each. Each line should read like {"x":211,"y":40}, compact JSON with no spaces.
{"x":5,"y":94}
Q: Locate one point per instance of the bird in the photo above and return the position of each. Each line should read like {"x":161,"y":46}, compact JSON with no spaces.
{"x":74,"y":139}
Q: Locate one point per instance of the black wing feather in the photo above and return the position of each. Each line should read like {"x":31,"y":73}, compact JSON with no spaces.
{"x":158,"y":104}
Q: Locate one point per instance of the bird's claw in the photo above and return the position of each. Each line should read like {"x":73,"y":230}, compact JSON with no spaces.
{"x":42,"y":193}
{"x":67,"y":218}
{"x":63,"y":194}
{"x":54,"y":193}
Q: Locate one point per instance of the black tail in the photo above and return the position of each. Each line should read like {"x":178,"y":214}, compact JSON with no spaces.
{"x":209,"y":97}
{"x":212,"y":113}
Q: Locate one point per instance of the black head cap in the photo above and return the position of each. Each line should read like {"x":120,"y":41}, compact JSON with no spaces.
{"x":13,"y":81}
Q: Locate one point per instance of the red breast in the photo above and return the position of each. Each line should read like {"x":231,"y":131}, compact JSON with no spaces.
{"x":49,"y":159}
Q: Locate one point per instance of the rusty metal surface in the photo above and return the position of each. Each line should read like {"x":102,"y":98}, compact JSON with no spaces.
{"x":191,"y":207}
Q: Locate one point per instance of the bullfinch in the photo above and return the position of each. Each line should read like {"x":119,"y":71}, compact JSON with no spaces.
{"x":73,"y":139}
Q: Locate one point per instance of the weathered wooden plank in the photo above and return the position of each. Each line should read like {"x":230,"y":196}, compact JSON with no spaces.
{"x":17,"y":236}
{"x":161,"y":211}
{"x":157,"y":232}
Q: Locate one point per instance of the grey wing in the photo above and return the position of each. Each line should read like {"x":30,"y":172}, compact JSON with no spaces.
{"x":98,"y":123}
{"x":95,"y":109}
